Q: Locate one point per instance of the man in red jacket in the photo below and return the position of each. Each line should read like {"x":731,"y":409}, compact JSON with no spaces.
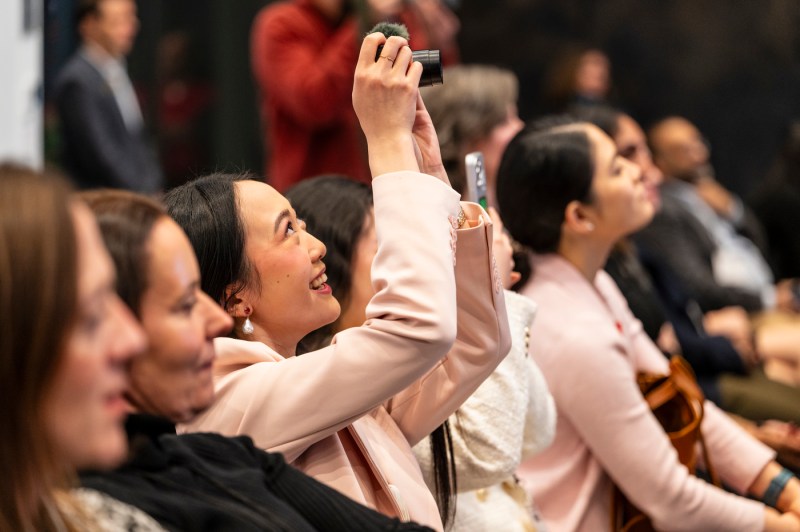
{"x":303,"y":56}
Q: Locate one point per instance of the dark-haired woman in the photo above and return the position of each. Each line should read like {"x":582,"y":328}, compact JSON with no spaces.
{"x":566,"y":193}
{"x":348,"y":414}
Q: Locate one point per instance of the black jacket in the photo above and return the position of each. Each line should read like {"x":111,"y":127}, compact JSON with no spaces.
{"x":98,"y":150}
{"x":206,"y":481}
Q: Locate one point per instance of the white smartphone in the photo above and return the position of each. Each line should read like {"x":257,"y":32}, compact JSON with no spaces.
{"x":476,"y":179}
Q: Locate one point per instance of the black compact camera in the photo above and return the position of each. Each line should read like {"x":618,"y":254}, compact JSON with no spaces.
{"x":431,"y":66}
{"x":431,"y":59}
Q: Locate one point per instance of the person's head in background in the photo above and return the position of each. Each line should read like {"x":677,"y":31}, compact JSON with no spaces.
{"x":476,"y":110}
{"x":578,"y":75}
{"x":159,"y":279}
{"x":339,"y":212}
{"x":630,"y":140}
{"x":111,"y":25}
{"x":65,"y":340}
{"x":679,"y":149}
{"x":565,"y":189}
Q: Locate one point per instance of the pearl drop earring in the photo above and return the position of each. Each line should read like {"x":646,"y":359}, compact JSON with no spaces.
{"x":247,"y":327}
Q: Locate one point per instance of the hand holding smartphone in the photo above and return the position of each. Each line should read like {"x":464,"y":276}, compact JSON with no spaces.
{"x":476,"y":179}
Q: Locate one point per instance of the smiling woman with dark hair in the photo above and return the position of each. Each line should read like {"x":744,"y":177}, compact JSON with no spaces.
{"x":349,"y":413}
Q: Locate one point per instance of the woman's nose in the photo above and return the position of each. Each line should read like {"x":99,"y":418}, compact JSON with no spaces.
{"x":129,"y":339}
{"x":316,"y":249}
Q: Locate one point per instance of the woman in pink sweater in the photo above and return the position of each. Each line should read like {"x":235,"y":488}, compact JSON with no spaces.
{"x":566,"y":193}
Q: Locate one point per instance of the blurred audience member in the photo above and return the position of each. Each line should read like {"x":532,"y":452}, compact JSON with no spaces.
{"x":705,"y":235}
{"x":509,"y":417}
{"x":104,"y":138}
{"x":776,"y":202}
{"x":578,"y":76}
{"x":62,"y":359}
{"x":234,"y":485}
{"x":703,"y":232}
{"x":303,"y":55}
{"x":475,"y":110}
{"x":567,"y":194}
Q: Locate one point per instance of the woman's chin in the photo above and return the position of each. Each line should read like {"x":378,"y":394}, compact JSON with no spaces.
{"x":109,"y":452}
{"x":330,"y":314}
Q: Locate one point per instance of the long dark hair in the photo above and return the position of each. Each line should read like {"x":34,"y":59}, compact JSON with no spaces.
{"x":541,"y":172}
{"x":208,"y":211}
{"x":335,"y":209}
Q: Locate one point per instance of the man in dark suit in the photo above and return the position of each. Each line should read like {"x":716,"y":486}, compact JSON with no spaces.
{"x":102,"y":128}
{"x":702,"y":232}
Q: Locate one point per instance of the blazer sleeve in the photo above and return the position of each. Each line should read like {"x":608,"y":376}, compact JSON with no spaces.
{"x":290,"y":404}
{"x":488,"y":429}
{"x":482,"y":338}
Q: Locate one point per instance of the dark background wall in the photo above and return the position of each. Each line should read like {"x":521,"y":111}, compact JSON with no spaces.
{"x":731,"y":66}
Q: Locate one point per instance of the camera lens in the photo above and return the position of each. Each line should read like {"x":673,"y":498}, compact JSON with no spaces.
{"x":431,"y":67}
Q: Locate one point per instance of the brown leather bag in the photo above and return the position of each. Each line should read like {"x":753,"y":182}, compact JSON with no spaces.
{"x":677,"y":402}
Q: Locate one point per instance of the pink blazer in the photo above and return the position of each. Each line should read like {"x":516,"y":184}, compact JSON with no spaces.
{"x":348,"y":414}
{"x":589,"y":348}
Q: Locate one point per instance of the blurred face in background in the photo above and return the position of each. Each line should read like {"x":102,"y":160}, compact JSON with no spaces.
{"x":113,"y":27}
{"x":85,"y":407}
{"x":632,"y":145}
{"x":593,"y":75}
{"x":681,"y":151}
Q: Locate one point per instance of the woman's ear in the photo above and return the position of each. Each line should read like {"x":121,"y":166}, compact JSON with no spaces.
{"x":235,"y":304}
{"x":578,"y":219}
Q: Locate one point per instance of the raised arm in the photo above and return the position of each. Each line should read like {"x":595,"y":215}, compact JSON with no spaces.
{"x":289,"y":404}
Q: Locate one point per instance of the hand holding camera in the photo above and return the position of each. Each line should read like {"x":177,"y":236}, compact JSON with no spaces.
{"x":384,"y":98}
{"x":399,"y":131}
